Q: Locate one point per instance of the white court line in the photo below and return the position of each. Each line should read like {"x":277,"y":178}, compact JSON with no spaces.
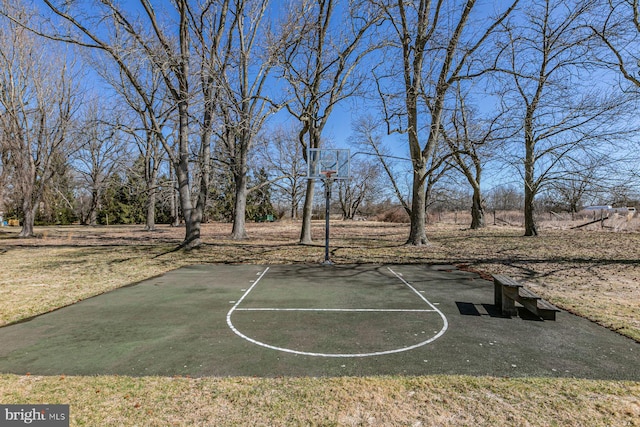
{"x":342,"y":355}
{"x":355,"y":310}
{"x":444,"y":319}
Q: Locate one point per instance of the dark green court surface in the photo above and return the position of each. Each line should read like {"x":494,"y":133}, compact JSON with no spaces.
{"x":311,"y":320}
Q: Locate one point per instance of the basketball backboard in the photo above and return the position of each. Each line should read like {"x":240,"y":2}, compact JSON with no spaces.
{"x":326,"y":163}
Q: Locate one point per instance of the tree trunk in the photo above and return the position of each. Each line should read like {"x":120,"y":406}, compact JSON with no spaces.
{"x":240,"y":207}
{"x":150,"y":224}
{"x":307,"y":211}
{"x":175,"y":210}
{"x":417,"y":232}
{"x":29,"y":213}
{"x":174,"y":202}
{"x":295,"y":200}
{"x":530,"y":227}
{"x":477,"y":210}
{"x":530,"y":188}
{"x":93,"y":208}
{"x":192,"y":216}
{"x":427,"y":197}
{"x":151,"y":179}
{"x":192,"y":234}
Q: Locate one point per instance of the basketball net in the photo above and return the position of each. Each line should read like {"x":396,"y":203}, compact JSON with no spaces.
{"x":328,"y":174}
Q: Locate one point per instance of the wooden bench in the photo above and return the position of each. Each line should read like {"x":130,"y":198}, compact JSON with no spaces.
{"x":507,"y":292}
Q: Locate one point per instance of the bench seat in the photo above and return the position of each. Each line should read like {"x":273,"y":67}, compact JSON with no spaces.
{"x":508,"y":291}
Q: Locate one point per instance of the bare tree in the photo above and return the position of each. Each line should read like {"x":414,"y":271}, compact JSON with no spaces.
{"x":236,"y":62}
{"x":150,"y":149}
{"x":362,"y":186}
{"x":472,"y":140}
{"x":318,"y":58}
{"x":37,"y":97}
{"x":438,"y":169}
{"x":505,"y":198}
{"x":571,"y":192}
{"x":367,"y":135}
{"x":558,"y":110}
{"x":281,"y":155}
{"x":434,"y":44}
{"x":101,"y":151}
{"x":127,"y":38}
{"x":139,"y":125}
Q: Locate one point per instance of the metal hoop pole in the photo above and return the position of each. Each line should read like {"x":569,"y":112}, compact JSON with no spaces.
{"x":327,"y":185}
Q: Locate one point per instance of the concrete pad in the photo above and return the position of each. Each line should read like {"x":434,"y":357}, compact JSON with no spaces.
{"x":311,"y":320}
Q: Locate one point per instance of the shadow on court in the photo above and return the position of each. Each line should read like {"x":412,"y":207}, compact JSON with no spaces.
{"x":311,"y":320}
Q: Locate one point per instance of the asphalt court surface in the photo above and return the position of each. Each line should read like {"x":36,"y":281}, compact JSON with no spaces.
{"x":310,"y":320}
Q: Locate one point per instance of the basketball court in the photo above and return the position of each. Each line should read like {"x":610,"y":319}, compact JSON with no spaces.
{"x":310,"y":320}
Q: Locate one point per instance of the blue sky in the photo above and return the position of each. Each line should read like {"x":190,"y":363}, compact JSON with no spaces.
{"x":339,"y":126}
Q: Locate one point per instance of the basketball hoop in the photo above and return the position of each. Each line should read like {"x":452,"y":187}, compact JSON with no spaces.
{"x":328,"y":165}
{"x":328,"y":173}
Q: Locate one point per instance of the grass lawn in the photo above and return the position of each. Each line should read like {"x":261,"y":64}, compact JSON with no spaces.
{"x":592,"y":273}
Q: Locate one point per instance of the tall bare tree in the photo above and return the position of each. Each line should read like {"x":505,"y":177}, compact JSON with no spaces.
{"x":149,"y":148}
{"x":38,"y":98}
{"x":472,"y":140}
{"x":235,"y":64}
{"x":558,"y":110}
{"x":434,"y":44}
{"x":318,"y":57}
{"x":139,"y":125}
{"x":367,"y":135}
{"x":127,"y":37}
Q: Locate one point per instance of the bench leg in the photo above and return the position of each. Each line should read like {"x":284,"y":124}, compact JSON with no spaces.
{"x":497,"y":294}
{"x":508,"y":306}
{"x":502,"y":301}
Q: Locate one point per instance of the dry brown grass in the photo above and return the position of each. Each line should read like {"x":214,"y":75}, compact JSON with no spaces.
{"x":346,"y":401}
{"x":592,"y":273}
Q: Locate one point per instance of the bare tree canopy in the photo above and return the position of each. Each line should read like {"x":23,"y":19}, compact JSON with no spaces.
{"x":281,"y":155}
{"x":433,"y":44}
{"x":472,"y":141}
{"x":557,"y":110}
{"x":237,"y":60}
{"x":318,"y":57}
{"x":38,"y":99}
{"x":100,"y":152}
{"x":211,"y":95}
{"x":127,"y":39}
